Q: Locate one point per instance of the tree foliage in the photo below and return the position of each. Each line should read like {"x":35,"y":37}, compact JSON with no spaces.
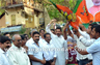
{"x":53,"y":12}
{"x":2,"y":3}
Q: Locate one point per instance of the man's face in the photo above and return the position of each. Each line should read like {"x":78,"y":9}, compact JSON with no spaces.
{"x":6,"y":45}
{"x":27,"y":37}
{"x":58,"y":32}
{"x":89,"y":29}
{"x":48,"y":38}
{"x":36,"y":38}
{"x":74,"y":31}
{"x":93,"y":33}
{"x":8,"y":35}
{"x":24,"y":41}
{"x":42,"y":32}
{"x":96,"y":1}
{"x":17,"y":41}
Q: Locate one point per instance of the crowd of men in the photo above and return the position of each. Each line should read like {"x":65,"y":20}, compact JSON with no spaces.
{"x":49,"y":46}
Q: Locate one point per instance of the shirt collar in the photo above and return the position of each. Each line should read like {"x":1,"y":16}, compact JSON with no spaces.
{"x":16,"y":47}
{"x":98,"y":39}
{"x":1,"y":51}
{"x":59,"y":36}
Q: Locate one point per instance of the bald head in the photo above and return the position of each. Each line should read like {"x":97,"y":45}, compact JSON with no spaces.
{"x":17,"y":40}
{"x":15,"y":36}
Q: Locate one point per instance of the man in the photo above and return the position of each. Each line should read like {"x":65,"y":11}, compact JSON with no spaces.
{"x":86,"y":38}
{"x":30,"y":41}
{"x":94,"y":49}
{"x":35,"y":53}
{"x":71,"y":43}
{"x":42,"y":32}
{"x":26,"y":36}
{"x":95,"y":8}
{"x":7,"y":34}
{"x":59,"y":43}
{"x":5,"y":43}
{"x":17,"y":54}
{"x":83,"y":59}
{"x":48,"y":49}
{"x":24,"y":42}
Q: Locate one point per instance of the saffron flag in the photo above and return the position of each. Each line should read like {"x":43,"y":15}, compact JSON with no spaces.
{"x":82,"y":11}
{"x":70,"y":16}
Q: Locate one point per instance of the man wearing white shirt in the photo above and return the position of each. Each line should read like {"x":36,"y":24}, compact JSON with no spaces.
{"x":94,"y":49}
{"x":59,"y":43}
{"x":83,"y":59}
{"x":16,"y":54}
{"x":5,"y":43}
{"x":86,"y":32}
{"x":85,"y":37}
{"x":30,"y":41}
{"x":35,"y":53}
{"x":48,"y":50}
{"x":42,"y":32}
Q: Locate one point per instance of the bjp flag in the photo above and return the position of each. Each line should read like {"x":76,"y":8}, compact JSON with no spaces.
{"x":82,"y":11}
{"x":69,"y":15}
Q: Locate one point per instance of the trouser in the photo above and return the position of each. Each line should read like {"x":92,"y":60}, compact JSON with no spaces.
{"x":84,"y":62}
{"x":48,"y":62}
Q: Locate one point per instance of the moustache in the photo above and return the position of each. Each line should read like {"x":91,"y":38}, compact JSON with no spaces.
{"x":8,"y":47}
{"x":37,"y":39}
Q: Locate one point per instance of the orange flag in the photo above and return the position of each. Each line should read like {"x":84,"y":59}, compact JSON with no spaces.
{"x":70,"y":16}
{"x":82,"y":11}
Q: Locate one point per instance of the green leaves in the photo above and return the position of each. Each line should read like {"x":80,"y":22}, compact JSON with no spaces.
{"x":2,"y":3}
{"x":54,"y":13}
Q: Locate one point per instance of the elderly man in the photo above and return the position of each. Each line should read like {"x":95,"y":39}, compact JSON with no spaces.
{"x":17,"y":54}
{"x":4,"y":45}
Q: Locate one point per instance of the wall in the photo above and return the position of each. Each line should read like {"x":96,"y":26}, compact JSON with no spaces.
{"x":17,"y":13}
{"x":2,"y":22}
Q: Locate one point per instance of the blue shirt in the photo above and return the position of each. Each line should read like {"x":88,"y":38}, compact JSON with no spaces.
{"x":94,"y":49}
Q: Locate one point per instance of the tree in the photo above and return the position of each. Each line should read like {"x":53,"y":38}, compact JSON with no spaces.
{"x":53,"y":12}
{"x":2,"y":3}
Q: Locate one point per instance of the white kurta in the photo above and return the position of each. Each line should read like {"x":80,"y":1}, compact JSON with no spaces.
{"x":18,"y":56}
{"x":59,"y":44}
{"x":3,"y":58}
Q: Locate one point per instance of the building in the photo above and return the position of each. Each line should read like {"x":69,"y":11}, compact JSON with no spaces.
{"x":29,"y":13}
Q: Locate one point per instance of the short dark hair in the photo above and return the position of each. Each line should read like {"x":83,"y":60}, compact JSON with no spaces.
{"x":5,"y":33}
{"x":25,"y":34}
{"x":93,"y":25}
{"x":97,"y":28}
{"x":4,"y":39}
{"x":41,"y":30}
{"x":59,"y":28}
{"x":22,"y":37}
{"x":35,"y":33}
{"x":46,"y":34}
{"x":52,"y":29}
